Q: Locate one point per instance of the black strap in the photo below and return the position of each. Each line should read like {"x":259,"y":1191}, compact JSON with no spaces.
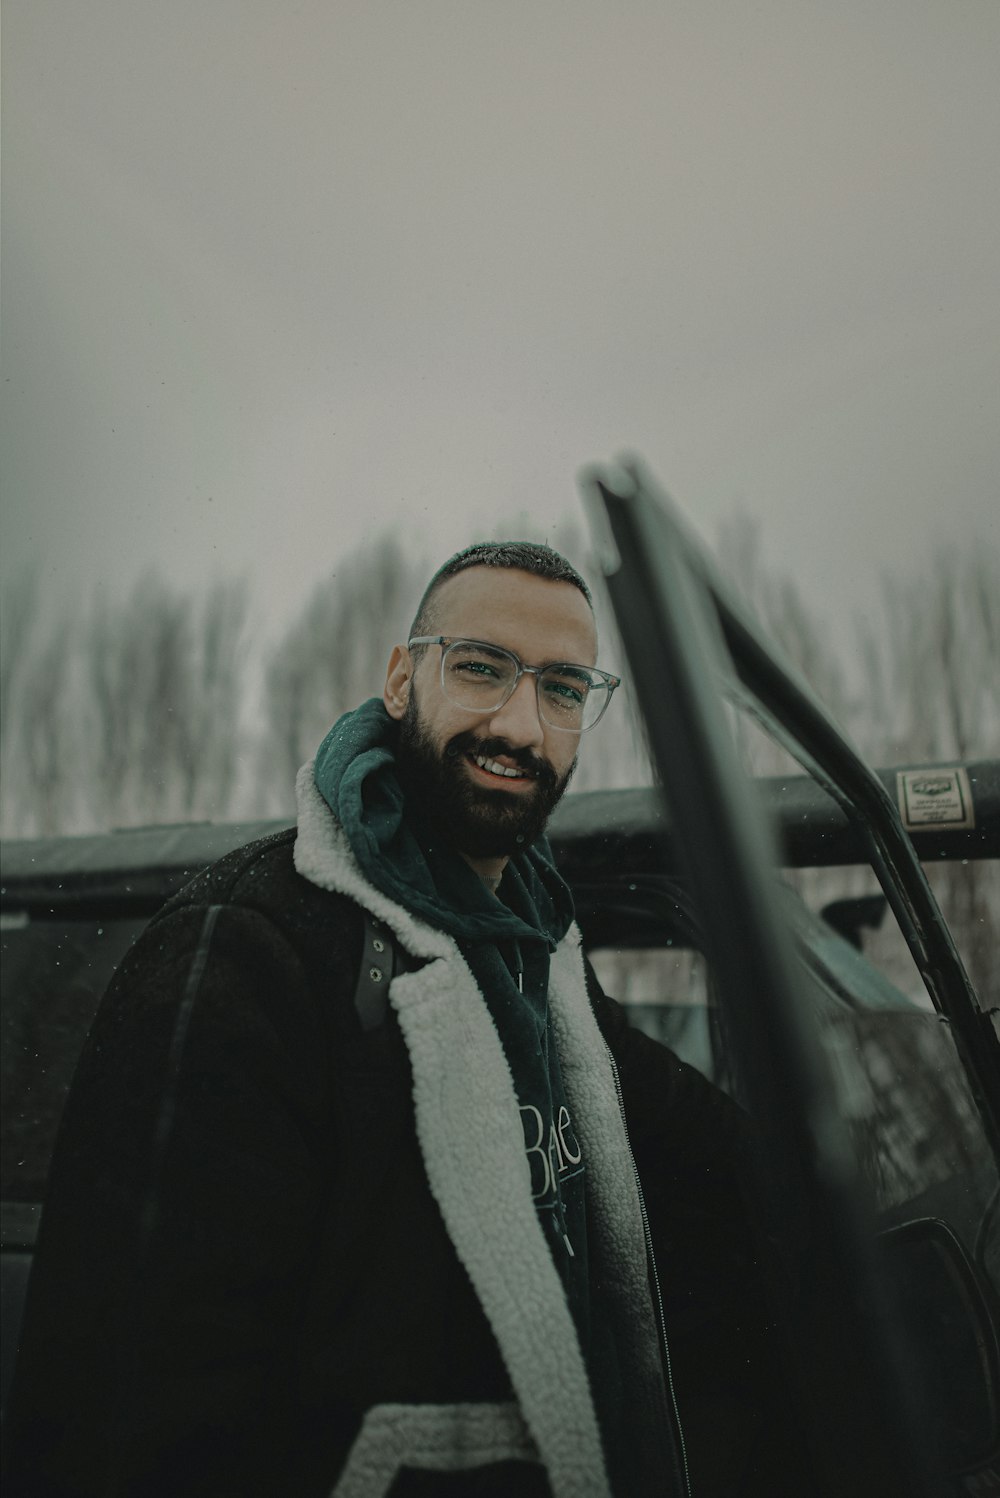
{"x":380,"y":961}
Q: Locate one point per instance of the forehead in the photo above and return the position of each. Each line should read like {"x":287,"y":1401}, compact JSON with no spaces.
{"x":540,"y":620}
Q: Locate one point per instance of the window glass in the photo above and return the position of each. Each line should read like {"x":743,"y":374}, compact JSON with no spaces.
{"x":665,"y":990}
{"x":968,"y":892}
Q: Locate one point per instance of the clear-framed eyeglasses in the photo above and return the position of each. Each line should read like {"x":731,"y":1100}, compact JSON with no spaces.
{"x":480,"y":677}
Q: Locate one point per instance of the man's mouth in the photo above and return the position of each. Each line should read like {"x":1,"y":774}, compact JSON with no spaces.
{"x":498,"y":765}
{"x":499,"y":771}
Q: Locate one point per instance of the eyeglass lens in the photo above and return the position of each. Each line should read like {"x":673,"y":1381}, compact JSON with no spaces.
{"x":481,"y":679}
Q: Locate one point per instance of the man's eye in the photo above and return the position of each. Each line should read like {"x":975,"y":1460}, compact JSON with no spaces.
{"x":475,"y":668}
{"x":568,"y":691}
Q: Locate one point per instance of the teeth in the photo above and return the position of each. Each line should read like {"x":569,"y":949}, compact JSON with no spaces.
{"x":496,"y":769}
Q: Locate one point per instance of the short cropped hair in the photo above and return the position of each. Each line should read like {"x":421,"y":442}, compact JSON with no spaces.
{"x":519,"y":556}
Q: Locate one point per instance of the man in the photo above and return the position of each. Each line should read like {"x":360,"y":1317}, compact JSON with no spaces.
{"x":311,"y":1231}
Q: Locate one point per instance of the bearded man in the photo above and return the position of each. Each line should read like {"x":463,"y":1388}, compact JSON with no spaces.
{"x":345,"y":1201}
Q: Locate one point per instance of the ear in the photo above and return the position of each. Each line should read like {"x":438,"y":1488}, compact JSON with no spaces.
{"x":398,"y":676}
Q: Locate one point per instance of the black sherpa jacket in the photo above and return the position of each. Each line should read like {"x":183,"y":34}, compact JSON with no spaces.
{"x":285,"y":1255}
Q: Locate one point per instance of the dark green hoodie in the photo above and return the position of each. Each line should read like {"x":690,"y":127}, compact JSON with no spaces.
{"x":506,"y":942}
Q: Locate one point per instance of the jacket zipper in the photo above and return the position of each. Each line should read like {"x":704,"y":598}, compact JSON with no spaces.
{"x":685,"y":1472}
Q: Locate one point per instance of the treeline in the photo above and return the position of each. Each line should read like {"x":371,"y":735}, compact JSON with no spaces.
{"x":127,"y":713}
{"x":169,"y":705}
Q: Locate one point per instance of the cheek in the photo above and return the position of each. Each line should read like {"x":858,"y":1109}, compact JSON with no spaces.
{"x":439,"y":719}
{"x":561,"y":754}
{"x":448,"y":723}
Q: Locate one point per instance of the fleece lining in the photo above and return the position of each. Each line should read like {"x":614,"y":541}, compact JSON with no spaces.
{"x":618,"y":1232}
{"x":431,"y":1437}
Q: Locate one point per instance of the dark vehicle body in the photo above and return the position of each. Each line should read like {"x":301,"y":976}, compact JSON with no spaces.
{"x":832,"y":1002}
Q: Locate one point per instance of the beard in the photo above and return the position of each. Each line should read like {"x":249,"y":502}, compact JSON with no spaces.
{"x":471,"y":818}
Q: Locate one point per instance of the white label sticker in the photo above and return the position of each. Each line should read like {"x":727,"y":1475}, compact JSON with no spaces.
{"x":935,"y":798}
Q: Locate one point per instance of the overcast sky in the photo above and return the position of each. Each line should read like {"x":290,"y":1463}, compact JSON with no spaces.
{"x":278,"y":275}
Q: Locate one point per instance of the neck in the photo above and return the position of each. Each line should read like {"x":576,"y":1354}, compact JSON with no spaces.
{"x":488,"y":869}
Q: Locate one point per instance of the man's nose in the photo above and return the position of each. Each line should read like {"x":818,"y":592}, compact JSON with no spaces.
{"x":518,"y":720}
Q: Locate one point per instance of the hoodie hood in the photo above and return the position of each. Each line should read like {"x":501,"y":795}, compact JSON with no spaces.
{"x":405,"y":858}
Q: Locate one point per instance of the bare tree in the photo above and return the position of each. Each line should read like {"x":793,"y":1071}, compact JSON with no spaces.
{"x":932,"y":695}
{"x":18,"y":629}
{"x":123,"y":712}
{"x":19,"y":613}
{"x":36,"y":726}
{"x":164,"y":672}
{"x":332,"y":658}
{"x":775,"y":600}
{"x":218,"y":744}
{"x":933,"y":678}
{"x":44,"y":743}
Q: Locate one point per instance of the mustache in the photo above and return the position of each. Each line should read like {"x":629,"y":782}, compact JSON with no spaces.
{"x":526,"y":759}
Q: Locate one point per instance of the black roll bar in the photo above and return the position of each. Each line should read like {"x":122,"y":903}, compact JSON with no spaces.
{"x":848,"y":1352}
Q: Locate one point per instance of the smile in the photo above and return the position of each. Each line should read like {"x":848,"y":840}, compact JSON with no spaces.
{"x":495,"y":768}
